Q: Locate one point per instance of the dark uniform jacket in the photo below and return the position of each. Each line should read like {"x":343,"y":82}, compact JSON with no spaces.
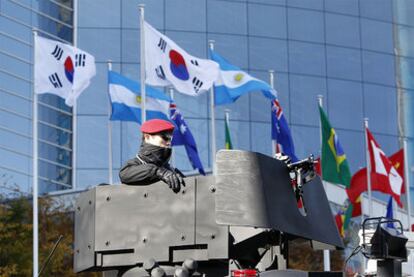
{"x":142,"y":170}
{"x":137,"y":172}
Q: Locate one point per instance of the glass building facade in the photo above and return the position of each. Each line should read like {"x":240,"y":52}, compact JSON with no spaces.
{"x":18,"y":18}
{"x":355,"y":53}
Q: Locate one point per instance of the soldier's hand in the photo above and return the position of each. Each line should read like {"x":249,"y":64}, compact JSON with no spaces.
{"x":171,"y":178}
{"x":181,"y":176}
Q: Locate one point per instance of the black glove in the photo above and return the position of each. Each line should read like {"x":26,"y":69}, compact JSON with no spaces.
{"x":172,"y":178}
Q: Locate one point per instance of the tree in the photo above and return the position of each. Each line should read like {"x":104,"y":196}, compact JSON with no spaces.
{"x":16,"y":237}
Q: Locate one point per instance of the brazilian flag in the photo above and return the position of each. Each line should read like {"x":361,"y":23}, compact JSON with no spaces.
{"x":227,"y":133}
{"x":335,"y":168}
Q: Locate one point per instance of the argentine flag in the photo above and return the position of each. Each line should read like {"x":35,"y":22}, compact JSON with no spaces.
{"x":125,"y":99}
{"x":233,"y":83}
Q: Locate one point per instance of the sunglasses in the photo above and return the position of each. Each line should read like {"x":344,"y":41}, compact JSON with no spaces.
{"x":166,"y":136}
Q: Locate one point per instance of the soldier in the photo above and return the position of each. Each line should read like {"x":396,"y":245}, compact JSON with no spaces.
{"x":151,"y":165}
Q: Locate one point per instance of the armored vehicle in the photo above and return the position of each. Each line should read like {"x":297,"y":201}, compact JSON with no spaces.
{"x":236,"y":223}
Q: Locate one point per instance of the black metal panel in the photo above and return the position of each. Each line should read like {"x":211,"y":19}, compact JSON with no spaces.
{"x":254,"y":190}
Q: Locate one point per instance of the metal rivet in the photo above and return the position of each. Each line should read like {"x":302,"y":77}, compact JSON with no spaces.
{"x":212,"y":189}
{"x":144,"y":240}
{"x":145,"y":195}
{"x":182,"y":237}
{"x":108,"y":198}
{"x":213,"y":236}
{"x":107,"y":243}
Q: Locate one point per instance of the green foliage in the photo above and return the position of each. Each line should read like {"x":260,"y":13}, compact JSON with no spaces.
{"x":16,"y":236}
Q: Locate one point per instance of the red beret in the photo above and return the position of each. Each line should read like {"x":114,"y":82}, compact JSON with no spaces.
{"x":154,"y":126}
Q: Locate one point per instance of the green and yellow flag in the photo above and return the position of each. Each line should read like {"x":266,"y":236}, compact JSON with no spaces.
{"x":229,"y":145}
{"x":335,"y":168}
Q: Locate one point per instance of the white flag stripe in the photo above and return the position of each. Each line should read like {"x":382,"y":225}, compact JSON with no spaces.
{"x":229,"y":79}
{"x":61,"y":69}
{"x":122,"y":95}
{"x":379,"y":164}
{"x":167,"y":64}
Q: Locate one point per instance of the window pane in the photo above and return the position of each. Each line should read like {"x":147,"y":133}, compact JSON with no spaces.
{"x":103,"y":44}
{"x":314,"y":4}
{"x":54,"y":172}
{"x":54,"y":117}
{"x":227,"y":17}
{"x":342,"y":6}
{"x":231,"y":47}
{"x":305,"y":25}
{"x":377,"y":36}
{"x":344,"y":63}
{"x":16,"y":11}
{"x":306,"y":140}
{"x":345,"y":104}
{"x":15,"y":103}
{"x":304,"y":91}
{"x":261,"y":138}
{"x":55,"y":136}
{"x":15,"y":122}
{"x":97,"y":141}
{"x":55,"y":154}
{"x":376,"y":9}
{"x":109,"y":13}
{"x":14,"y":161}
{"x":15,"y":142}
{"x":194,"y":19}
{"x":268,"y":54}
{"x":378,"y":68}
{"x":153,"y":10}
{"x":307,"y":58}
{"x":381,"y":108}
{"x":265,"y":20}
{"x":349,"y":34}
{"x":15,"y":66}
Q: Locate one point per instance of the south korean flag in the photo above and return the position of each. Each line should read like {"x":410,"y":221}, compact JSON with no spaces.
{"x":61,"y":69}
{"x":167,"y":64}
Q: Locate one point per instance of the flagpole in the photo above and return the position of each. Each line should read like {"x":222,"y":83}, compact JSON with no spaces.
{"x":272,"y":85}
{"x":213,"y":121}
{"x":110,"y":177}
{"x":35,"y":170}
{"x":141,"y":8}
{"x":326,"y":253}
{"x":368,"y":168}
{"x":171,"y":93}
{"x":74,"y":108}
{"x":407,"y":183}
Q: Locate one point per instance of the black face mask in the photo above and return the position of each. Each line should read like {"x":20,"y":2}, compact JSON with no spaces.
{"x":155,"y":154}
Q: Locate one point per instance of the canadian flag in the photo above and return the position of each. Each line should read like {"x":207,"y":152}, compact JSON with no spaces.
{"x":383,"y":173}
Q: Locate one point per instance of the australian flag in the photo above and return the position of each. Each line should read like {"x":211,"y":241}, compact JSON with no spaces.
{"x":281,"y":132}
{"x":182,"y":136}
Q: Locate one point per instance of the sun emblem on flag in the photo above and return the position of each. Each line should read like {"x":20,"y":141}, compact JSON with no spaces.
{"x":238,"y":77}
{"x":138,"y":99}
